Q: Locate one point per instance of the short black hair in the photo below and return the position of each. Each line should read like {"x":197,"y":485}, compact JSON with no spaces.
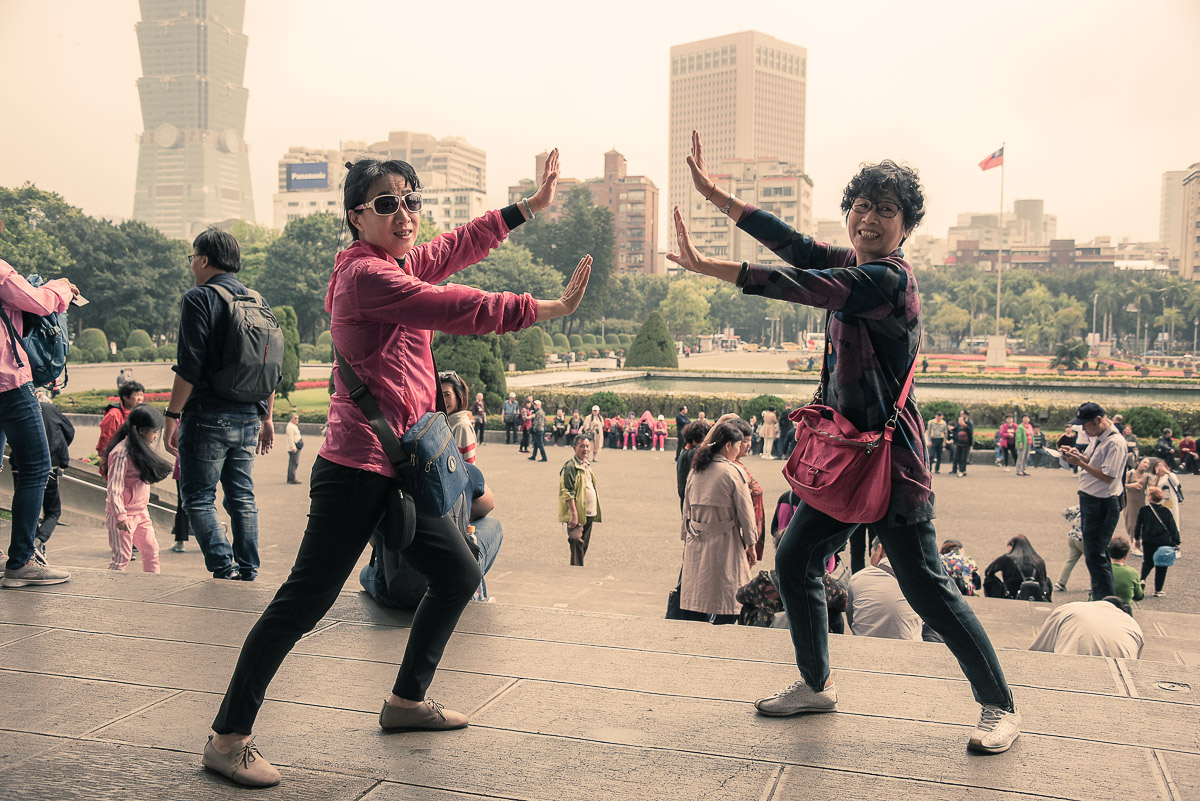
{"x":693,"y":432}
{"x":1119,"y":603}
{"x":220,"y":247}
{"x":362,"y":175}
{"x":875,"y":180}
{"x":128,"y":388}
{"x":1118,"y":548}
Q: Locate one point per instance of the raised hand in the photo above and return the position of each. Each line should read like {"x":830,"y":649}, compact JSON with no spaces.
{"x":687,"y":256}
{"x":545,"y":194}
{"x":573,"y":294}
{"x":695,"y":162}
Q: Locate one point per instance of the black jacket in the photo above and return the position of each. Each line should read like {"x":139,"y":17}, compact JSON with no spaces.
{"x":59,"y":434}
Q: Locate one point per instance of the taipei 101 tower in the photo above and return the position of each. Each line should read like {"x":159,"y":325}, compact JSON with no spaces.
{"x":193,"y":164}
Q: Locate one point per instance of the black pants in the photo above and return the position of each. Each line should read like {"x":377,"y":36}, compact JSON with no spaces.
{"x":1010,"y":450}
{"x":705,"y":617}
{"x":525,"y":440}
{"x":1160,"y":572}
{"x":51,"y":506}
{"x":1097,"y":520}
{"x":510,"y":432}
{"x":180,"y":529}
{"x":962,"y":455}
{"x":346,"y":505}
{"x":480,"y":428}
{"x":935,"y":454}
{"x":579,"y":546}
{"x":539,"y":444}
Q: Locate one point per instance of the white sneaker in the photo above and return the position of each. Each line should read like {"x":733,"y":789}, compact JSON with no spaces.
{"x":1160,"y":593}
{"x":995,"y":731}
{"x":179,"y":547}
{"x":798,"y":698}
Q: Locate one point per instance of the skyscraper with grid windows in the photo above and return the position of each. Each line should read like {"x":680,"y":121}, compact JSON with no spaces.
{"x":193,"y":163}
{"x":745,"y":94}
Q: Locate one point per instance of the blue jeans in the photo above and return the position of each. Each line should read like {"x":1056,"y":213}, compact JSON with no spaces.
{"x":218,"y":446}
{"x":21,"y":422}
{"x":811,"y":537}
{"x":1098,"y":519}
{"x":489,"y":534}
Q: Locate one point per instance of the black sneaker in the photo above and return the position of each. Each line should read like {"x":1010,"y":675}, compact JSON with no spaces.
{"x":231,"y":574}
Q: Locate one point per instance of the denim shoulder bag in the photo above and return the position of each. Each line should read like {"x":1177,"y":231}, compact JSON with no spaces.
{"x":429,"y":474}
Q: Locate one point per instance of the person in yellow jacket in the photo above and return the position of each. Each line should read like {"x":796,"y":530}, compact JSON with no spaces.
{"x":578,"y":503}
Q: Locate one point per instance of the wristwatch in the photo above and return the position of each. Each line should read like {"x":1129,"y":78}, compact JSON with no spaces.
{"x":172,"y":415}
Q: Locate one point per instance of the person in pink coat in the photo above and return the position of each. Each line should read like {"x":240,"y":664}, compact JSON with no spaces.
{"x":385,"y":301}
{"x":660,"y":434}
{"x":133,"y":466}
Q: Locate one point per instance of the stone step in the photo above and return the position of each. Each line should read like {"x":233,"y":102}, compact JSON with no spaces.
{"x":564,"y":704}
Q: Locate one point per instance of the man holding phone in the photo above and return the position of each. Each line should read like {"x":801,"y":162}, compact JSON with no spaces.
{"x":1101,"y":469}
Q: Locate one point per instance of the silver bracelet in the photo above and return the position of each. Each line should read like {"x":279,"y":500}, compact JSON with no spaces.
{"x":728,"y":204}
{"x":529,"y":211}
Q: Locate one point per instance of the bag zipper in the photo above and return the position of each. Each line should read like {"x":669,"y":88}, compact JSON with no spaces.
{"x":429,"y":465}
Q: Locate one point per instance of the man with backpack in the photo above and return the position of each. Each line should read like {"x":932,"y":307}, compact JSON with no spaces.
{"x":230,"y":358}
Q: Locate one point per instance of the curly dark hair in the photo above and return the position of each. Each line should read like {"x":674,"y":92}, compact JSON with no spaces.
{"x":362,"y":175}
{"x":875,"y":180}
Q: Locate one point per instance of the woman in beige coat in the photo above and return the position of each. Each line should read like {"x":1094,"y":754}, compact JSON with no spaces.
{"x":769,"y":432}
{"x":718,"y":529}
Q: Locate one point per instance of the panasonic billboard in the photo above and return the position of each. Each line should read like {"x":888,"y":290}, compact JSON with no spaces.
{"x":307,"y":176}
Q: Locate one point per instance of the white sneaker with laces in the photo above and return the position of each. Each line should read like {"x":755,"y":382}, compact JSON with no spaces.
{"x":996,"y":730}
{"x":797,"y":698}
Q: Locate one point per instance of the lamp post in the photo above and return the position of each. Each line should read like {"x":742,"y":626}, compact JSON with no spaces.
{"x":1195,"y":328}
{"x":1095,"y":303}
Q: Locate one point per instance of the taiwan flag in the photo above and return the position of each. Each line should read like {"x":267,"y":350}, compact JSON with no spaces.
{"x":994,"y":160}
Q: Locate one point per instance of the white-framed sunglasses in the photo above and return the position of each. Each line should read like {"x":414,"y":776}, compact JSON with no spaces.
{"x":387,"y":205}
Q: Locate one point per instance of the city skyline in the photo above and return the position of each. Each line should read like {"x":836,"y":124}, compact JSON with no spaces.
{"x":1089,"y":99}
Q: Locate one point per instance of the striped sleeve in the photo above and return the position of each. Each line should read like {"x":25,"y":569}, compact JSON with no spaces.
{"x":118,"y":461}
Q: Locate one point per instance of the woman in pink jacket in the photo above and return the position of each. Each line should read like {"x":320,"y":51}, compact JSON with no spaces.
{"x":385,"y":304}
{"x":21,"y":423}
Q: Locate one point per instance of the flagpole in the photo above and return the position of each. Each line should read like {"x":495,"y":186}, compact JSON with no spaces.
{"x":1000,"y":245}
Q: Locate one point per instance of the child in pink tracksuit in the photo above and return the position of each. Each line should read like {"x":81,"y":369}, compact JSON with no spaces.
{"x":660,"y":434}
{"x":132,"y":467}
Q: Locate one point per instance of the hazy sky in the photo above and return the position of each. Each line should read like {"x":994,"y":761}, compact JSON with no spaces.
{"x":1094,"y":99}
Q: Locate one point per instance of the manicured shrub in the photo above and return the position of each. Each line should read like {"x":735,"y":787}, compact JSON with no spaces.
{"x":653,"y":346}
{"x":138,"y":338}
{"x":531,"y":353}
{"x":93,"y":340}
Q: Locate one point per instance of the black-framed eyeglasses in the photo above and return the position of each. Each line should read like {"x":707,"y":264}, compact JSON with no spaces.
{"x":387,"y":205}
{"x":191,"y":259}
{"x":884,"y":208}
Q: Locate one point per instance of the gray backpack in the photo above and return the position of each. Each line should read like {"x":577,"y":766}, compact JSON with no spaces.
{"x":253,"y":360}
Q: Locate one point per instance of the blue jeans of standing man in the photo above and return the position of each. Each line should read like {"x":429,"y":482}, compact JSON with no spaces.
{"x":21,"y":422}
{"x":1098,"y":519}
{"x":812,"y":536}
{"x":219,"y":447}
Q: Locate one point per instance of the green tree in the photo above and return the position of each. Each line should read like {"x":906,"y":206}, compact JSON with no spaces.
{"x":120,"y":329}
{"x":297,"y":267}
{"x":951,"y":320}
{"x":427,"y":231}
{"x":477,"y":360}
{"x":583,"y":228}
{"x":653,"y":346}
{"x":95,"y":343}
{"x":531,"y":353}
{"x":286,"y":316}
{"x":1069,"y":354}
{"x":512,"y":268}
{"x":254,"y":241}
{"x":686,"y":307}
{"x":561,"y":343}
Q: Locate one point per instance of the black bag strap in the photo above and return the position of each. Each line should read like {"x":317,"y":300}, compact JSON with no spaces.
{"x":359,"y":393}
{"x":12,"y":337}
{"x":366,"y":402}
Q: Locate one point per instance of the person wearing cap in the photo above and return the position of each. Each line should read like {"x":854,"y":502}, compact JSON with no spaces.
{"x":510,"y":413}
{"x":593,"y":429}
{"x":659,"y":441}
{"x":1101,"y":472}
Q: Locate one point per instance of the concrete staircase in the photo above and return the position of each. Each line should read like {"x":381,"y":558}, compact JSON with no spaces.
{"x":112,"y":681}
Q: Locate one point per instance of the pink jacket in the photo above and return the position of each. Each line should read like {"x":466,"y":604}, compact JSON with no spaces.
{"x":16,"y":295}
{"x":383,"y":318}
{"x":128,"y":495}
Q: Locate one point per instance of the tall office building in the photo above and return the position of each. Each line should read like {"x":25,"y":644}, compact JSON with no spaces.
{"x":193,"y":165}
{"x":452,"y":171}
{"x":1170,"y":213}
{"x":1189,"y":233}
{"x":745,"y":94}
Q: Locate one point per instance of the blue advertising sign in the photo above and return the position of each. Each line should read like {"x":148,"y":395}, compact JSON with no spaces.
{"x":307,"y":176}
